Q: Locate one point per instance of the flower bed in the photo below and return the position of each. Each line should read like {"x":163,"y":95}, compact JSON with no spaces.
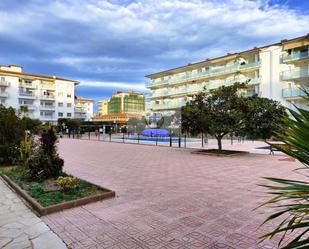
{"x":48,"y":196}
{"x":220,"y":153}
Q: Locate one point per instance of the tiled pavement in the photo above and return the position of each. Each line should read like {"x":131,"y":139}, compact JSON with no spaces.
{"x":167,"y":198}
{"x":20,"y":228}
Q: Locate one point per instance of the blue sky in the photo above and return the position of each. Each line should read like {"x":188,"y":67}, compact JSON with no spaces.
{"x":109,"y":45}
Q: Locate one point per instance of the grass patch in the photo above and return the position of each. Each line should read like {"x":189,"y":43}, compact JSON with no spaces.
{"x":47,"y":192}
{"x":222,"y":152}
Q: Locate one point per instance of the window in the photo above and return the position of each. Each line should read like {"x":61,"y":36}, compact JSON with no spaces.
{"x":60,"y":94}
{"x":69,"y":105}
{"x":69,"y":95}
{"x":2,"y":78}
{"x":28,"y":81}
{"x":69,"y":115}
{"x":60,"y":114}
{"x":60,"y":104}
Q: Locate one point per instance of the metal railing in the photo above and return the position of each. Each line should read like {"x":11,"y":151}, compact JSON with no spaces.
{"x":4,"y":83}
{"x":27,"y":94}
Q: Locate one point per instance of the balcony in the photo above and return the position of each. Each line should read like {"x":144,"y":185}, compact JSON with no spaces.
{"x":50,"y":87}
{"x":30,"y":107}
{"x":295,"y":57}
{"x":80,"y":116}
{"x":168,"y":106}
{"x":189,"y":90}
{"x":79,"y":110}
{"x":47,"y":107}
{"x":27,"y":85}
{"x":213,"y":72}
{"x":4,"y":83}
{"x":295,"y":75}
{"x":47,"y":97}
{"x":27,"y":95}
{"x":4,"y":95}
{"x":293,"y":93}
{"x":47,"y":118}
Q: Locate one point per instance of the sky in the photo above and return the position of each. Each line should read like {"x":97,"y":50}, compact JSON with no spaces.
{"x":110,"y":45}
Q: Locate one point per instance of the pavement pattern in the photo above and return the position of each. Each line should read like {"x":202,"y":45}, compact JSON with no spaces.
{"x":20,"y":228}
{"x":168,"y":198}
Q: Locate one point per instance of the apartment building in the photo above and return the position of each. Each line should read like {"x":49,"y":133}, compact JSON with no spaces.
{"x":102,"y":107}
{"x":46,"y":97}
{"x":83,"y":108}
{"x":276,"y":71}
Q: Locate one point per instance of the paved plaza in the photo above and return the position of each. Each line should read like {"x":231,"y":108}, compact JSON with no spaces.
{"x":167,"y":198}
{"x":20,"y":228}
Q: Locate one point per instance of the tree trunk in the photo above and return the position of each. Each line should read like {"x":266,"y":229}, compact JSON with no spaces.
{"x":219,"y":139}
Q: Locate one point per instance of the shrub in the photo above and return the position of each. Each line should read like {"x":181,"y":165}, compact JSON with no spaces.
{"x":67,"y":183}
{"x":11,"y":134}
{"x":44,"y":162}
{"x":25,"y":148}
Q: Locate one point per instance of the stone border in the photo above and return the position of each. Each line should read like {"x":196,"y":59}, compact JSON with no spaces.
{"x":204,"y":152}
{"x":40,"y":210}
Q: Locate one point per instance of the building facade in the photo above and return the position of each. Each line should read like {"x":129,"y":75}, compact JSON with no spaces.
{"x":126,"y":102}
{"x":46,"y":97}
{"x":102,"y":107}
{"x":83,"y":108}
{"x":275,"y":71}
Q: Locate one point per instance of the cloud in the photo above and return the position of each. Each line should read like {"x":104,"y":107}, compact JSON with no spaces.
{"x":123,"y":40}
{"x":114,"y":85}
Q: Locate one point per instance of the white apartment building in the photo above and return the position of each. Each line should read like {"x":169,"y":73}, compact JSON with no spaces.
{"x":275,"y":71}
{"x":47,"y":97}
{"x":83,"y":108}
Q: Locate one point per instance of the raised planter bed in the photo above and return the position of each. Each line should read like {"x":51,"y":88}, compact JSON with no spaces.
{"x":222,"y":153}
{"x":41,"y":210}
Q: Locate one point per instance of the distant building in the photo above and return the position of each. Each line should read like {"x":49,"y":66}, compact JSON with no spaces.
{"x":46,"y":97}
{"x":102,"y":107}
{"x":120,"y":108}
{"x":126,"y":102}
{"x":83,"y":108}
{"x":274,"y":71}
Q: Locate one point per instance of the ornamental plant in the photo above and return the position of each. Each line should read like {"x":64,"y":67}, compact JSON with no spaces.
{"x":67,"y":183}
{"x":290,"y":198}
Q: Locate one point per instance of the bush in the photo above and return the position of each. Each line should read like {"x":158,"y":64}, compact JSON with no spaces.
{"x":11,"y":134}
{"x":44,"y":162}
{"x":67,"y":183}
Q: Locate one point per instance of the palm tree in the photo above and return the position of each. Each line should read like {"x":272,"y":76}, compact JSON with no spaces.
{"x":291,"y":197}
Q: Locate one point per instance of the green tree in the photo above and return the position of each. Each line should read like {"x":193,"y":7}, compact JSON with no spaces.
{"x":264,"y":117}
{"x":223,"y":111}
{"x":219,"y":113}
{"x":11,"y":134}
{"x":290,"y":197}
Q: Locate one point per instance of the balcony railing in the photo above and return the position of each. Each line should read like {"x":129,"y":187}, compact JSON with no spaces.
{"x":4,"y":95}
{"x":4,"y":83}
{"x":47,"y":107}
{"x":27,"y":85}
{"x":27,"y":94}
{"x":48,"y":86}
{"x":293,"y":92}
{"x":295,"y":56}
{"x":50,"y":96}
{"x":30,"y":107}
{"x":295,"y":74}
{"x":167,"y":106}
{"x":209,"y":73}
{"x":196,"y":89}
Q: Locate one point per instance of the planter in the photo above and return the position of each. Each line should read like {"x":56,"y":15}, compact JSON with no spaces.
{"x":40,"y":210}
{"x":223,"y":153}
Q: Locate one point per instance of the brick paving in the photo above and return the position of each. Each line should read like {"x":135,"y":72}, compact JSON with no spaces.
{"x":20,"y":228}
{"x":167,"y":198}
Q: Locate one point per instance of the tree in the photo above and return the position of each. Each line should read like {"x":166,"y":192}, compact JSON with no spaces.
{"x":11,"y":134}
{"x":290,"y":197}
{"x":223,"y":111}
{"x":264,"y":117}
{"x":218,"y":113}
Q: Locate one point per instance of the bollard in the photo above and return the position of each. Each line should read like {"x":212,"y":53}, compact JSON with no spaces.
{"x":110,"y":137}
{"x":89,"y":135}
{"x":179,"y":141}
{"x":171,"y":144}
{"x":185,"y":142}
{"x":202,"y":140}
{"x":123,"y":137}
{"x":156,"y":140}
{"x":138,"y":138}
